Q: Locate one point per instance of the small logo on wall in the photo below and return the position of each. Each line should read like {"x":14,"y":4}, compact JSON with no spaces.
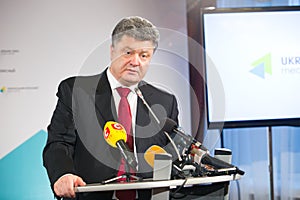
{"x":262,"y":66}
{"x":3,"y":89}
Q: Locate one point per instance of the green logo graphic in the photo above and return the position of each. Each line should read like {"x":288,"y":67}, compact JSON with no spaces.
{"x":262,"y":66}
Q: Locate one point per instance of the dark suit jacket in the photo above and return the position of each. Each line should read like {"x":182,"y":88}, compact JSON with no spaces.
{"x":75,"y":135}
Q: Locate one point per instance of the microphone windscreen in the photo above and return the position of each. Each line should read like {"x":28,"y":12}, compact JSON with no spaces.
{"x":168,"y":125}
{"x":150,"y":154}
{"x":113,"y":132}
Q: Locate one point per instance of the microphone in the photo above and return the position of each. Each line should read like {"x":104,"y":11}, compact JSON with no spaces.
{"x":115,"y":135}
{"x":160,"y":161}
{"x":220,"y":165}
{"x":150,"y":154}
{"x":158,"y":123}
{"x":171,"y":126}
{"x":198,"y":149}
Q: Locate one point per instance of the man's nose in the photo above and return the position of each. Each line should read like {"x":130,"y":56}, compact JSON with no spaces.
{"x":135,"y":60}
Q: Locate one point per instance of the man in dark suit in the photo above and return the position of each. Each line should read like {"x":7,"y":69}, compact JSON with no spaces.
{"x":76,"y":152}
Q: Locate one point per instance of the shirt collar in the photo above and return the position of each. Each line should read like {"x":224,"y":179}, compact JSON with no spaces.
{"x":114,"y":83}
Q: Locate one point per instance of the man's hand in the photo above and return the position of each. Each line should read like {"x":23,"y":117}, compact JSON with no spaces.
{"x":64,"y":186}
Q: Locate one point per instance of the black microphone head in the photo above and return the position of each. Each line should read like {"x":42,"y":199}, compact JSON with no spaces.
{"x":168,"y":125}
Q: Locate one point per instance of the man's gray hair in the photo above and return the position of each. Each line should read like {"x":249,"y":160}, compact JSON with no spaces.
{"x":137,"y":28}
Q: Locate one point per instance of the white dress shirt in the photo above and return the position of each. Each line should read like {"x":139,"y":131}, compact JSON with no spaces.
{"x":132,"y":100}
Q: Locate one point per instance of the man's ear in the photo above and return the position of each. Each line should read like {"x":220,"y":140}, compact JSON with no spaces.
{"x":111,"y":51}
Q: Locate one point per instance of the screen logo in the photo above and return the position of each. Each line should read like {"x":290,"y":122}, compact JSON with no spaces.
{"x":262,"y":66}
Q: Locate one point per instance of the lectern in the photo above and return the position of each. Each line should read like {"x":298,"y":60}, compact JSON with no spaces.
{"x":198,"y":187}
{"x":151,"y":184}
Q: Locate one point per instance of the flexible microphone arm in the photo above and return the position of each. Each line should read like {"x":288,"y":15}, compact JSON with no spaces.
{"x":140,"y":95}
{"x":158,"y":123}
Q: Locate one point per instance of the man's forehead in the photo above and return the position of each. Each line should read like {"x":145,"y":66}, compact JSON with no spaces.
{"x":141,"y":49}
{"x":134,"y":44}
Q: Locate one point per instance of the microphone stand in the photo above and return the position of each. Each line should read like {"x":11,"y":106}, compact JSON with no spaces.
{"x":127,"y":175}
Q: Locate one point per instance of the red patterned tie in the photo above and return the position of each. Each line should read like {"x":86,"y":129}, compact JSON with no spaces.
{"x":124,"y":117}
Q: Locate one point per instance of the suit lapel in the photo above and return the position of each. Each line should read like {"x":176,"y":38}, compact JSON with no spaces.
{"x":104,"y":101}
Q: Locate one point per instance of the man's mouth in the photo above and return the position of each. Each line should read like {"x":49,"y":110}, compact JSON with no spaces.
{"x":131,"y":71}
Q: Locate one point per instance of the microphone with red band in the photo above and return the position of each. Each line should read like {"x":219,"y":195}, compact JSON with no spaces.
{"x":115,"y":135}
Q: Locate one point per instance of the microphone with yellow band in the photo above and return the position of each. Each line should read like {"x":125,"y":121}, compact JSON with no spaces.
{"x":150,"y":154}
{"x":161,"y":162}
{"x":115,"y":135}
